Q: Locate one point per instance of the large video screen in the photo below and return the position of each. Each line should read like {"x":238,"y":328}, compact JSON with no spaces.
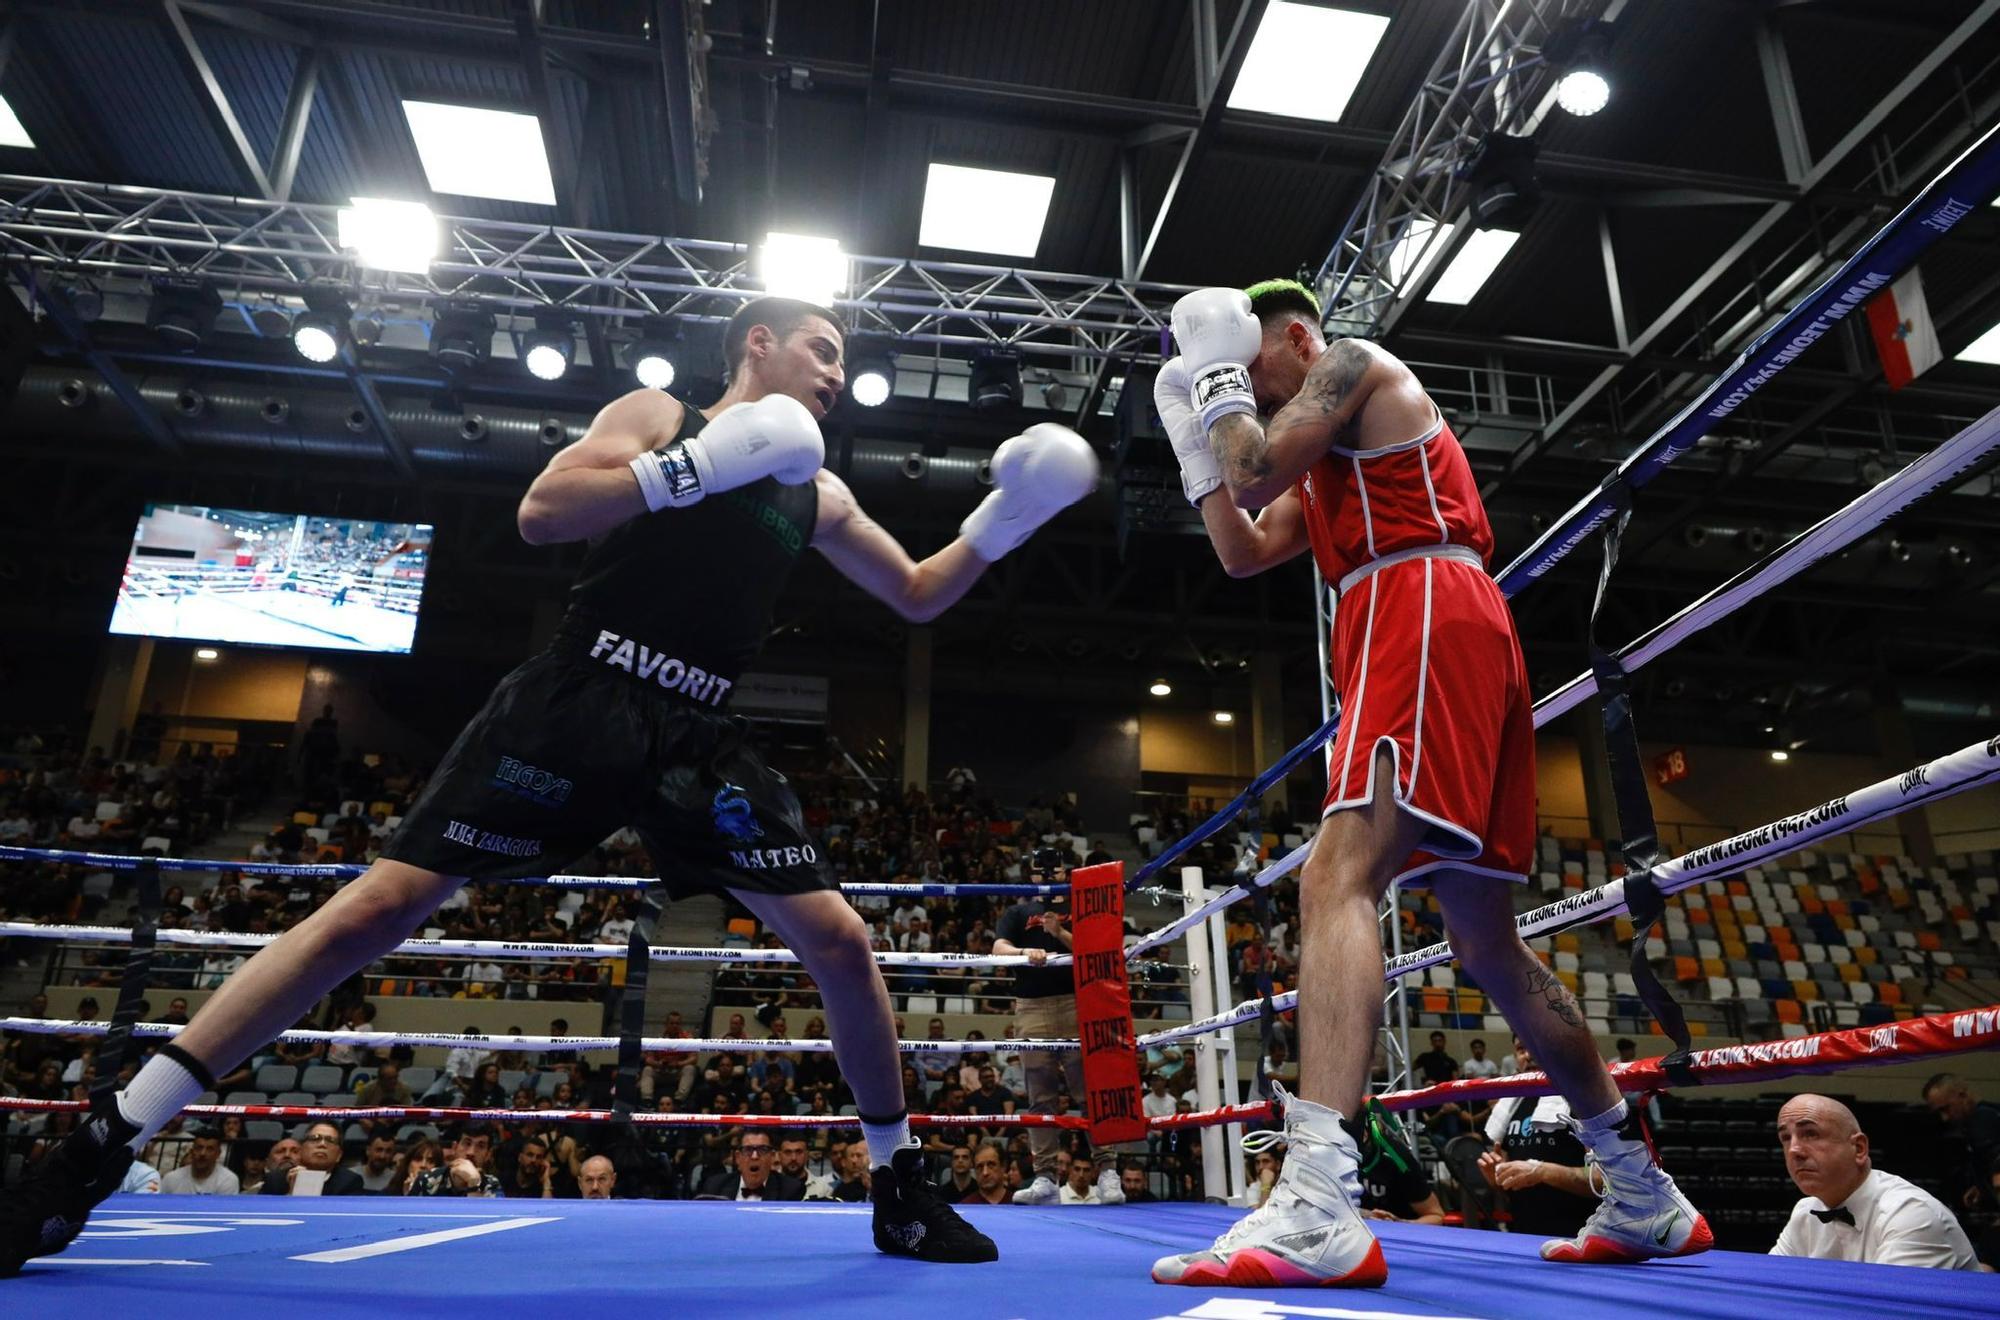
{"x":273,"y":579}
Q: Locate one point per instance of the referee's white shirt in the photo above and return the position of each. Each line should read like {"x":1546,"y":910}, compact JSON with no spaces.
{"x":1895,"y":1223}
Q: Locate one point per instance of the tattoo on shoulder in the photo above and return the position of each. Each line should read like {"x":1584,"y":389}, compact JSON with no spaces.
{"x":1337,"y":372}
{"x":1555,"y":995}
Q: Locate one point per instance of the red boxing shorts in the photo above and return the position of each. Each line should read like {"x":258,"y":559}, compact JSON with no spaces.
{"x":1428,"y":666}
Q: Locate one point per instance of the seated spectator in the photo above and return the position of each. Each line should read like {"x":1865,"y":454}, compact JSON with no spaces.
{"x":1851,"y":1210}
{"x":420,"y":1158}
{"x":378,"y":1166}
{"x":754,"y":1178}
{"x":1132,"y":1180}
{"x":794,"y":1161}
{"x":465,"y":1166}
{"x":596,"y":1179}
{"x":387,"y":1090}
{"x":957,"y":1181}
{"x":203,"y":1174}
{"x":535,"y":1175}
{"x":1479,"y":1065}
{"x":319,"y":1155}
{"x":1079,"y":1184}
{"x":989,"y":1177}
{"x":1976,"y":1127}
{"x":854,"y":1168}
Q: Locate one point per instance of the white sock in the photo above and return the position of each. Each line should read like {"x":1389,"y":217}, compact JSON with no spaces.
{"x":1607,"y":1120}
{"x":162,"y":1089}
{"x":885,"y":1139}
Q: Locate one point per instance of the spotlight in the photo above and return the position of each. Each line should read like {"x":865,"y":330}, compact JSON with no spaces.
{"x":548,"y":347}
{"x":871,"y":374}
{"x":996,"y":380}
{"x":1225,"y":717}
{"x":366,"y":329}
{"x":1580,"y":50}
{"x":85,"y":299}
{"x":207,"y":653}
{"x":183,"y":311}
{"x":461,"y":334}
{"x":1780,"y":754}
{"x":652,"y":356}
{"x":1583,"y":92}
{"x":320,"y":331}
{"x":1502,"y":178}
{"x":1161,"y":688}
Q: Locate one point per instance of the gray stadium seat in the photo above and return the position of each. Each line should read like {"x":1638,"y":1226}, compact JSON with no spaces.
{"x":419,"y":1079}
{"x":246,"y":1098}
{"x":275,"y":1077}
{"x":322,"y":1078}
{"x":264,"y":1129}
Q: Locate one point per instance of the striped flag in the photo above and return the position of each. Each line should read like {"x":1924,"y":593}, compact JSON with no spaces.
{"x":1905,"y":339}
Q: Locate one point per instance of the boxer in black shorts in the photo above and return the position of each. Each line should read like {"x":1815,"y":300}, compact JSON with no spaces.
{"x":696,"y":520}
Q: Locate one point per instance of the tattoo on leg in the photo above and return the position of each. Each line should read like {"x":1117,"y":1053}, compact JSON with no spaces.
{"x":1560,"y":1002}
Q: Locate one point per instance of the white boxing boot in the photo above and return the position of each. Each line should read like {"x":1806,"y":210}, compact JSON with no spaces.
{"x":1309,"y":1233}
{"x":1110,"y":1189}
{"x":1042,"y":1191}
{"x":1643,"y":1215}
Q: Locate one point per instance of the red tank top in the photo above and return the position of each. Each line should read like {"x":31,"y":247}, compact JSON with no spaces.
{"x":1364,"y":504}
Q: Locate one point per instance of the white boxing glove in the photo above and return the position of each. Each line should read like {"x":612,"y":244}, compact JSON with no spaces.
{"x":1219,"y":338}
{"x":1200,"y":474}
{"x":774,"y":436}
{"x":1036,"y":475}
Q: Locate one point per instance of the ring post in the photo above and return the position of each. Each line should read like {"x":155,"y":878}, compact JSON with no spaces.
{"x":1208,"y":1091}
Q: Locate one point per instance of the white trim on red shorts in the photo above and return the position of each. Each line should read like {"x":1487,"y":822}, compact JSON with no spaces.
{"x":1472,"y":846}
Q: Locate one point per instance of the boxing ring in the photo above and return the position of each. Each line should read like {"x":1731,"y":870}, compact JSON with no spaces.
{"x":239,"y":1256}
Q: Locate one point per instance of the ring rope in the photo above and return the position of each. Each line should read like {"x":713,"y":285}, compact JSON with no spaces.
{"x":353,"y":870}
{"x":541,"y":1044}
{"x":1968,"y":768}
{"x":1958,"y":191}
{"x":1941,"y":467}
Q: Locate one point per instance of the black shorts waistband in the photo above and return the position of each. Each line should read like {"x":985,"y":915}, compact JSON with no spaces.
{"x":657,"y":669}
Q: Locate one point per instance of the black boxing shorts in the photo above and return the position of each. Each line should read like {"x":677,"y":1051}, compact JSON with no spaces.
{"x":565,"y":753}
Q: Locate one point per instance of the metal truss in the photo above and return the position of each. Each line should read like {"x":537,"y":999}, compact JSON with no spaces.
{"x":113,"y":233}
{"x":1490,"y":79}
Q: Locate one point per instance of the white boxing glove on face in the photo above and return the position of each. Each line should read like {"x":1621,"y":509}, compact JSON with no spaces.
{"x":1036,"y":475}
{"x":1200,"y":474}
{"x":1219,"y":339}
{"x":775,"y":436}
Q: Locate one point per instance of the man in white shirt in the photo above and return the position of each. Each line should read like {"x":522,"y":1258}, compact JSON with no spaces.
{"x":1851,"y":1210}
{"x":1158,"y":1102}
{"x":1479,"y":1065}
{"x":203,"y":1174}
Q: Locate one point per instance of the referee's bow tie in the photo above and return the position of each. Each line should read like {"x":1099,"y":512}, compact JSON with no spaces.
{"x":1839,"y":1214}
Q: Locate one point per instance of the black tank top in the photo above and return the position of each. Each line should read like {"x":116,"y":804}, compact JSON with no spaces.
{"x":698,"y":584}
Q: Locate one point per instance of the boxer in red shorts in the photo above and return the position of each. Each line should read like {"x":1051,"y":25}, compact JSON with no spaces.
{"x":1431,"y":778}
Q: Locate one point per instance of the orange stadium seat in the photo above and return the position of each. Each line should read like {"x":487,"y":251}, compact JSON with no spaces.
{"x":1850,"y":972}
{"x":1889,"y":992}
{"x":1436,"y":999}
{"x":1735,"y":948}
{"x":1929,"y":940}
{"x":1789,"y":1010}
{"x":1714,"y":967}
{"x":1866,"y":956}
{"x":1806,"y":991}
{"x":1700,"y":917}
{"x":1569,"y":980}
{"x":1567,"y":942}
{"x":1686,"y":969}
{"x":1736,"y":888}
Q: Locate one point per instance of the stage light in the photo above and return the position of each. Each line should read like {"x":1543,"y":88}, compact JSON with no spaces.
{"x":320,"y":331}
{"x":871,"y":374}
{"x":461,"y":334}
{"x":1583,"y":92}
{"x":1780,"y":754}
{"x":183,"y":311}
{"x":1580,"y":50}
{"x":385,"y":235}
{"x":1161,"y":688}
{"x":207,"y":653}
{"x":547,"y":349}
{"x":1225,"y":717}
{"x":995,"y":381}
{"x":799,"y":266}
{"x":654,"y":355}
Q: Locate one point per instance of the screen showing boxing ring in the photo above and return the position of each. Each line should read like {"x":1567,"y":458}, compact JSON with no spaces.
{"x":273,"y":579}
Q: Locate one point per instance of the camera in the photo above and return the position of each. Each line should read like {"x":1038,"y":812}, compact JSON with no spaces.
{"x":1048,"y":863}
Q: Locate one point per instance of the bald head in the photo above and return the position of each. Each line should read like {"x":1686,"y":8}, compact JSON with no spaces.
{"x":1826,"y":1152}
{"x":596,"y":1179}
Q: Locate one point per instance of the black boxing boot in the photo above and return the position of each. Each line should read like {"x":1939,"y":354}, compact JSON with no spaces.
{"x":43,"y":1213}
{"x":911,"y":1221}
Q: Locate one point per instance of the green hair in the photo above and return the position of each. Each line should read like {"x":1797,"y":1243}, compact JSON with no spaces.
{"x":1272,"y":296}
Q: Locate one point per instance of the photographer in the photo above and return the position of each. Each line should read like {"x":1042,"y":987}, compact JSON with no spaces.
{"x":1045,"y":1009}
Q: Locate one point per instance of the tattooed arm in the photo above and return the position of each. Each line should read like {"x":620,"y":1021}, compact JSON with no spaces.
{"x":1260,"y":462}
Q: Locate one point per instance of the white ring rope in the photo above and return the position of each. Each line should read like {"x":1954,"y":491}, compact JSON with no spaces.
{"x":1942,"y":467}
{"x":542,"y":1044}
{"x":1968,"y":768}
{"x":440,"y":948}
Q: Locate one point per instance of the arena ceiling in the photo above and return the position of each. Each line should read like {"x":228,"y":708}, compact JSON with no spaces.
{"x":1748,"y":147}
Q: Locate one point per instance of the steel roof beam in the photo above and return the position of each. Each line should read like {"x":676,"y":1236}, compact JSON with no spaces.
{"x":214,"y":100}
